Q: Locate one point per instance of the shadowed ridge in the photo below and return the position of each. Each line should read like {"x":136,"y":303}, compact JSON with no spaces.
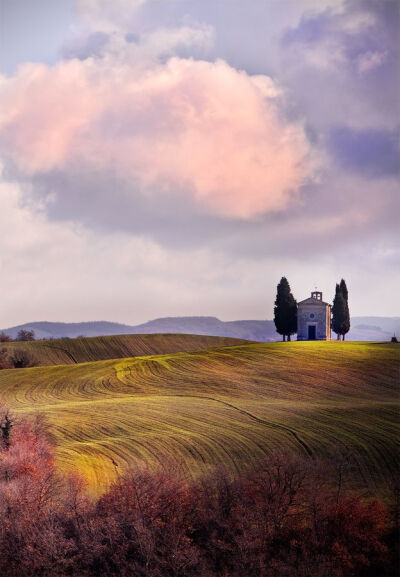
{"x":83,"y":350}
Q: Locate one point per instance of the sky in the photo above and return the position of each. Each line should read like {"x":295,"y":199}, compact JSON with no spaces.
{"x":178,"y":157}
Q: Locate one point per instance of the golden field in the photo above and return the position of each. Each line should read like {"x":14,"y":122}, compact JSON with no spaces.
{"x":223,"y":405}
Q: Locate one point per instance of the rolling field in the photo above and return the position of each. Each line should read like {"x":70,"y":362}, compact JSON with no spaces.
{"x":229,"y":405}
{"x":82,"y":350}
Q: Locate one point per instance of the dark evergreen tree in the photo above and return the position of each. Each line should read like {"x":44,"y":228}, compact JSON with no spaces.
{"x":343,"y":290}
{"x":340,"y":311}
{"x":346,"y":322}
{"x":285,"y":311}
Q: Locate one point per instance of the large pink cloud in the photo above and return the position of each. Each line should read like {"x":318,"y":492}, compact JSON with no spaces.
{"x":196,"y":128}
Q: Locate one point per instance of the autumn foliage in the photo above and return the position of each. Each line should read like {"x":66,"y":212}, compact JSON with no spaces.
{"x":288,"y":518}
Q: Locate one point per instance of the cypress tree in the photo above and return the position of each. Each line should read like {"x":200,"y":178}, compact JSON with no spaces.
{"x":343,"y":289}
{"x":285,"y":311}
{"x":346,"y":321}
{"x":340,"y":311}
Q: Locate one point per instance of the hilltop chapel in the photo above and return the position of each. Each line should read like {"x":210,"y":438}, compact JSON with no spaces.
{"x":314,"y":319}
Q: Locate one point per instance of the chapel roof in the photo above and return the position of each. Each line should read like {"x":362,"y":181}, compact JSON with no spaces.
{"x":313,"y":301}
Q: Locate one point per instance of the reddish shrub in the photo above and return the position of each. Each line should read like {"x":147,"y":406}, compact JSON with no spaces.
{"x":285,"y":519}
{"x":5,"y":362}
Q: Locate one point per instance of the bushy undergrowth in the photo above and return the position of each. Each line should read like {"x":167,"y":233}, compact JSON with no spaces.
{"x":16,"y":359}
{"x":289,"y":518}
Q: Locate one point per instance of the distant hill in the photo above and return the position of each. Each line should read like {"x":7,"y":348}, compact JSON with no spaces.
{"x":251,"y":330}
{"x":48,"y":330}
{"x":362,"y":328}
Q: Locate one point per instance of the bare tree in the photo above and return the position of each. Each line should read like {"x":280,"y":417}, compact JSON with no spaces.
{"x":25,"y":335}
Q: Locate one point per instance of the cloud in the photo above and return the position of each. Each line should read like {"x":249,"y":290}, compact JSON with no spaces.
{"x":71,"y":272}
{"x":60,"y":271}
{"x":84,"y":45}
{"x":142,"y":187}
{"x":142,"y":49}
{"x":108,"y":15}
{"x":199,"y":131}
{"x":370,"y":60}
{"x":372,"y":152}
{"x":342,"y":65}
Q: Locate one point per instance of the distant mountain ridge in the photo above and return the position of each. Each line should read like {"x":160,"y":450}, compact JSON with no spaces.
{"x":362,"y":328}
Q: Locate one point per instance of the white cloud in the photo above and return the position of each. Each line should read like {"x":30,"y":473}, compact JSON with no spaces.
{"x":200,"y":130}
{"x":108,"y":15}
{"x":61,"y":271}
{"x":370,"y":60}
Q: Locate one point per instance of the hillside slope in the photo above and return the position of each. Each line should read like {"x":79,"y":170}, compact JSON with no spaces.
{"x":82,"y":350}
{"x":228,"y":406}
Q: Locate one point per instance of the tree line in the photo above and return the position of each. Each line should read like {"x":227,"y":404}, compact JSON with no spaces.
{"x":285,"y":310}
{"x":22,"y":335}
{"x":288,"y":516}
